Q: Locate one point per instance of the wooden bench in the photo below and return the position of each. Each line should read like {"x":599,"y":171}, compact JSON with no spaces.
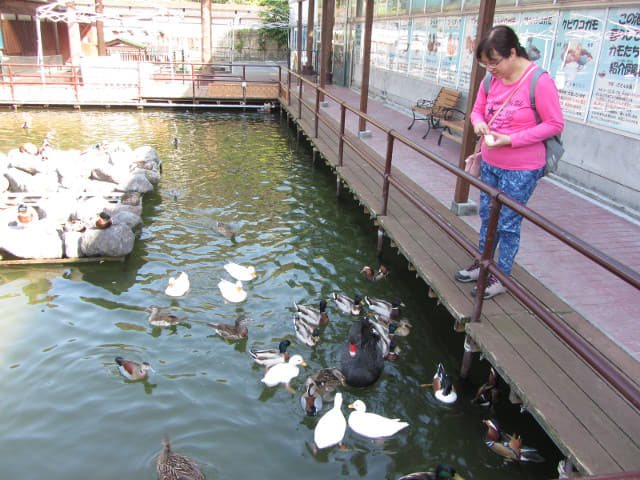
{"x":434,"y":111}
{"x":453,"y":123}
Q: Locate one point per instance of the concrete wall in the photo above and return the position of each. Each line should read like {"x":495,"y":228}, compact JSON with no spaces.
{"x":600,"y":162}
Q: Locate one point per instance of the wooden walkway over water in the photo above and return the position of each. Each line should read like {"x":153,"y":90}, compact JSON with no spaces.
{"x":596,"y":427}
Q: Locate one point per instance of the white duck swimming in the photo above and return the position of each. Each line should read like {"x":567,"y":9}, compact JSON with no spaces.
{"x":372,"y":425}
{"x":232,"y":292}
{"x":178,"y":286}
{"x":331,"y":427}
{"x":240,"y":272}
{"x":283,"y":372}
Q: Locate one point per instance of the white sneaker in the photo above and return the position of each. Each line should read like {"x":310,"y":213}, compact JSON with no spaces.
{"x":494,"y":287}
{"x":468,"y":274}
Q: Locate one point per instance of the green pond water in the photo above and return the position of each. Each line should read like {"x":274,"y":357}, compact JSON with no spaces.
{"x":68,"y":414}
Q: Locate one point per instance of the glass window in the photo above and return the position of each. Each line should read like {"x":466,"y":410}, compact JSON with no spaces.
{"x":418,"y":6}
{"x":450,"y":5}
{"x":434,"y":5}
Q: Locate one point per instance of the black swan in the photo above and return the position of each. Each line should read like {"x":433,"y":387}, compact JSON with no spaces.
{"x":362,"y":360}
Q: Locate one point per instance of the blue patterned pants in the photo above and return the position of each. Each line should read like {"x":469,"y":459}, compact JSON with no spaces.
{"x":519,"y":185}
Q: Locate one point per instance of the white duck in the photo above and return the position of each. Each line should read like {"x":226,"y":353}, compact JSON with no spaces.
{"x":232,"y":292}
{"x":331,"y":427}
{"x":178,"y":286}
{"x":372,"y":425}
{"x":283,"y":372}
{"x":240,"y":272}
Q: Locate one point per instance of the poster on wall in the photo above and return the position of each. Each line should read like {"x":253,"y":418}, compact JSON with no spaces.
{"x":467,"y":53}
{"x":417,"y":47}
{"x":536,"y":33}
{"x":449,"y":33}
{"x":573,"y":64}
{"x":616,"y":99}
{"x":508,"y":19}
{"x":432,"y":59}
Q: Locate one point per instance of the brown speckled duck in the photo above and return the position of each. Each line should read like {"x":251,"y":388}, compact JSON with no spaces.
{"x":237,"y":331}
{"x":173,"y":466}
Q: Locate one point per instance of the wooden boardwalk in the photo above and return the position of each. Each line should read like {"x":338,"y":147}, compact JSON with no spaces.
{"x":596,"y":428}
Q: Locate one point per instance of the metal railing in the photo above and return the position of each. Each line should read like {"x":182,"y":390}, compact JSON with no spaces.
{"x":498,"y":199}
{"x":94,"y":80}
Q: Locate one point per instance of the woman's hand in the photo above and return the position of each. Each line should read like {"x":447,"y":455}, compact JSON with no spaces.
{"x":481,"y":128}
{"x":499,"y":140}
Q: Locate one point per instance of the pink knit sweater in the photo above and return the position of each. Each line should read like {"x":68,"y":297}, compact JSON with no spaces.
{"x":517,"y":119}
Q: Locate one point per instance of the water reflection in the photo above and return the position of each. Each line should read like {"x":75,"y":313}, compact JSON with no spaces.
{"x":65,"y":402}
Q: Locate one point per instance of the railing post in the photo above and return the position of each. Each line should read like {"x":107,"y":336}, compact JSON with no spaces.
{"x":139,"y":81}
{"x":343,"y":114}
{"x":193,"y":84}
{"x":76,"y":86}
{"x":289,"y":87}
{"x":11,"y":85}
{"x":299,"y":98}
{"x":387,"y":173}
{"x":485,"y":258}
{"x":317,"y":112}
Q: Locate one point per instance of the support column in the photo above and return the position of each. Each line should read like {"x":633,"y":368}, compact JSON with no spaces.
{"x":205,"y":18}
{"x":75,"y":48}
{"x":366,"y":65}
{"x":308,"y":68}
{"x":102,"y":48}
{"x":461,"y":204}
{"x":326,"y":39}
{"x":298,"y":67}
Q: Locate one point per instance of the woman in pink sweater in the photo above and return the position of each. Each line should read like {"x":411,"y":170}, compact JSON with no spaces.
{"x":515,"y":158}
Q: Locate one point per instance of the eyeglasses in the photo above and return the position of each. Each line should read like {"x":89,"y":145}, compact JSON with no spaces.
{"x":491,"y":65}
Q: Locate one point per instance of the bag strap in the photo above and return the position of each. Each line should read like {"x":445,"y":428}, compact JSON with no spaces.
{"x":524,"y":77}
{"x":532,"y":90}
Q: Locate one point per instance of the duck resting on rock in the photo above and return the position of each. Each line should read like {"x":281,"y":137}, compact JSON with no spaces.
{"x":362,"y":359}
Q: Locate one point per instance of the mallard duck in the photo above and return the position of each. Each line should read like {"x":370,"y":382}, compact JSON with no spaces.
{"x":385,"y":335}
{"x":509,"y":446}
{"x":178,"y":286}
{"x":283,"y":372}
{"x":347,"y":305}
{"x":175,"y":141}
{"x":487,"y":394}
{"x":307,"y":334}
{"x":237,"y":331}
{"x":331,"y":427}
{"x":443,"y":387}
{"x":26,"y":215}
{"x":103,"y":221}
{"x":240,"y":272}
{"x":173,"y":466}
{"x":163,"y":319}
{"x":232,"y":292}
{"x":375,"y":275}
{"x":442,"y":472}
{"x":133,"y":370}
{"x":384,"y":308}
{"x":225,"y":229}
{"x":271,"y":356}
{"x":314,"y":316}
{"x":362,"y":359}
{"x":318,"y":388}
{"x":372,"y":425}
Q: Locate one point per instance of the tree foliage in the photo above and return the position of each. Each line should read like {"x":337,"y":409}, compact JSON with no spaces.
{"x":275,"y":22}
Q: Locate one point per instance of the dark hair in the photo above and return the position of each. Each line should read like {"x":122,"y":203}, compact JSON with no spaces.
{"x":501,"y":39}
